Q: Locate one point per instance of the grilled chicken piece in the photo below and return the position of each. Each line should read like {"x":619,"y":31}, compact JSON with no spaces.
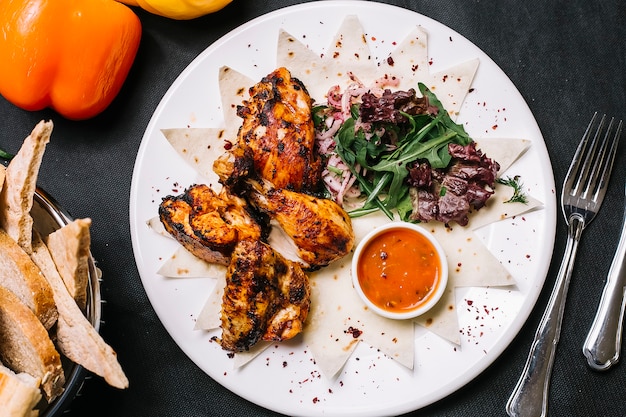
{"x":267,"y":297}
{"x":319,"y":227}
{"x":209,"y":225}
{"x":278,"y":130}
{"x":234,"y":166}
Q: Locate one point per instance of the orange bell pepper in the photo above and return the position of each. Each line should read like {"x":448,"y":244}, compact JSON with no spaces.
{"x":70,"y":55}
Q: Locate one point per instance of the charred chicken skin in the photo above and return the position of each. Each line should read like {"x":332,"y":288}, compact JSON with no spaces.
{"x":320,"y":228}
{"x":276,"y":167}
{"x":209,"y":225}
{"x":278,"y":130}
{"x":273,"y":171}
{"x":266,"y":297}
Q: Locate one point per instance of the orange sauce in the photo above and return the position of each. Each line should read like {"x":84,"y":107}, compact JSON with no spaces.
{"x":399,"y":270}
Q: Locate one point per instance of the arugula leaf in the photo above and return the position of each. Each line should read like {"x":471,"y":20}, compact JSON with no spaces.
{"x":373,"y":200}
{"x":447,"y":121}
{"x":344,"y":139}
{"x":348,"y":145}
{"x":405,"y":206}
{"x":435,"y":150}
{"x":318,"y":114}
{"x":425,"y":136}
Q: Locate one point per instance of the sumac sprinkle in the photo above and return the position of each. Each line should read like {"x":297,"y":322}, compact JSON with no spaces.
{"x":356,"y":333}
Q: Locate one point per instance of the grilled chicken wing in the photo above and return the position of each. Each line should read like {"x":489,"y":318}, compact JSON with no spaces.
{"x":234,"y":166}
{"x":278,"y":131}
{"x":209,"y":225}
{"x":267,"y":297}
{"x":319,"y":227}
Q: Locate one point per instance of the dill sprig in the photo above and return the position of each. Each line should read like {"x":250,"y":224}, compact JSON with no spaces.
{"x":516,"y":184}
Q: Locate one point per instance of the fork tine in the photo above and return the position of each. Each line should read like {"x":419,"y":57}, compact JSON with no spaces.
{"x":575,"y":172}
{"x":608,"y":158}
{"x":593,"y":161}
{"x":590,"y":171}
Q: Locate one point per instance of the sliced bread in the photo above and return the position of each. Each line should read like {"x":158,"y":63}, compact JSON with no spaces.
{"x":19,"y":274}
{"x":20,"y":182}
{"x":69,"y":247}
{"x":25,"y":345}
{"x":76,"y":338}
{"x":19,"y":394}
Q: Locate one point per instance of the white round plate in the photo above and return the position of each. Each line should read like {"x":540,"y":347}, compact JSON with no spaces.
{"x":285,"y":378}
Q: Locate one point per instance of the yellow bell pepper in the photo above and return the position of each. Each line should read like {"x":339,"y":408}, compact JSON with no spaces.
{"x":179,"y":9}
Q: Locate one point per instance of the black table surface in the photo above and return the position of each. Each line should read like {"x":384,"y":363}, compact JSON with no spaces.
{"x":566,"y":58}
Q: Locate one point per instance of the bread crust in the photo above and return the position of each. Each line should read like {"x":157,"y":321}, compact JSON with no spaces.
{"x":19,"y":394}
{"x":20,"y":182}
{"x":39,"y":319}
{"x":76,"y":338}
{"x":69,"y":247}
{"x":25,"y":345}
{"x":19,"y":274}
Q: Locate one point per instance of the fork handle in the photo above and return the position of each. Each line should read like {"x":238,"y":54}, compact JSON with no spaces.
{"x":530,"y":395}
{"x":603,"y":344}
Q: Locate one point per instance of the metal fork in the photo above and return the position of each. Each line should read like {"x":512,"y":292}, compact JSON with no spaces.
{"x":582,"y":195}
{"x":604,"y":341}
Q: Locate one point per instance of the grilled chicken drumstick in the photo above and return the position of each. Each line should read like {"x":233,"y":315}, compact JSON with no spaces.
{"x":319,"y":227}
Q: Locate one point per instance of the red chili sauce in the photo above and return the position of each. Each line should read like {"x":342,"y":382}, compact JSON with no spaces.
{"x":399,"y":270}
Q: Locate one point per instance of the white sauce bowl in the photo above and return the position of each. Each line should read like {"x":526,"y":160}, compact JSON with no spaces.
{"x":432,"y":297}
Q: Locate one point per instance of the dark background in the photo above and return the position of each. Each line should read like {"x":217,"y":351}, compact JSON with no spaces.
{"x":566,"y":58}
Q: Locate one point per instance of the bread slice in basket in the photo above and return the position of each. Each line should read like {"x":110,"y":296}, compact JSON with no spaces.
{"x":20,"y":182}
{"x":75,"y":336}
{"x":25,"y":345}
{"x":19,"y":393}
{"x":30,"y":342}
{"x":19,"y":274}
{"x":69,"y":247}
{"x":17,"y":188}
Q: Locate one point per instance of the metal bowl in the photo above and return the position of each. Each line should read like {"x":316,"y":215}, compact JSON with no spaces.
{"x":48,"y":216}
